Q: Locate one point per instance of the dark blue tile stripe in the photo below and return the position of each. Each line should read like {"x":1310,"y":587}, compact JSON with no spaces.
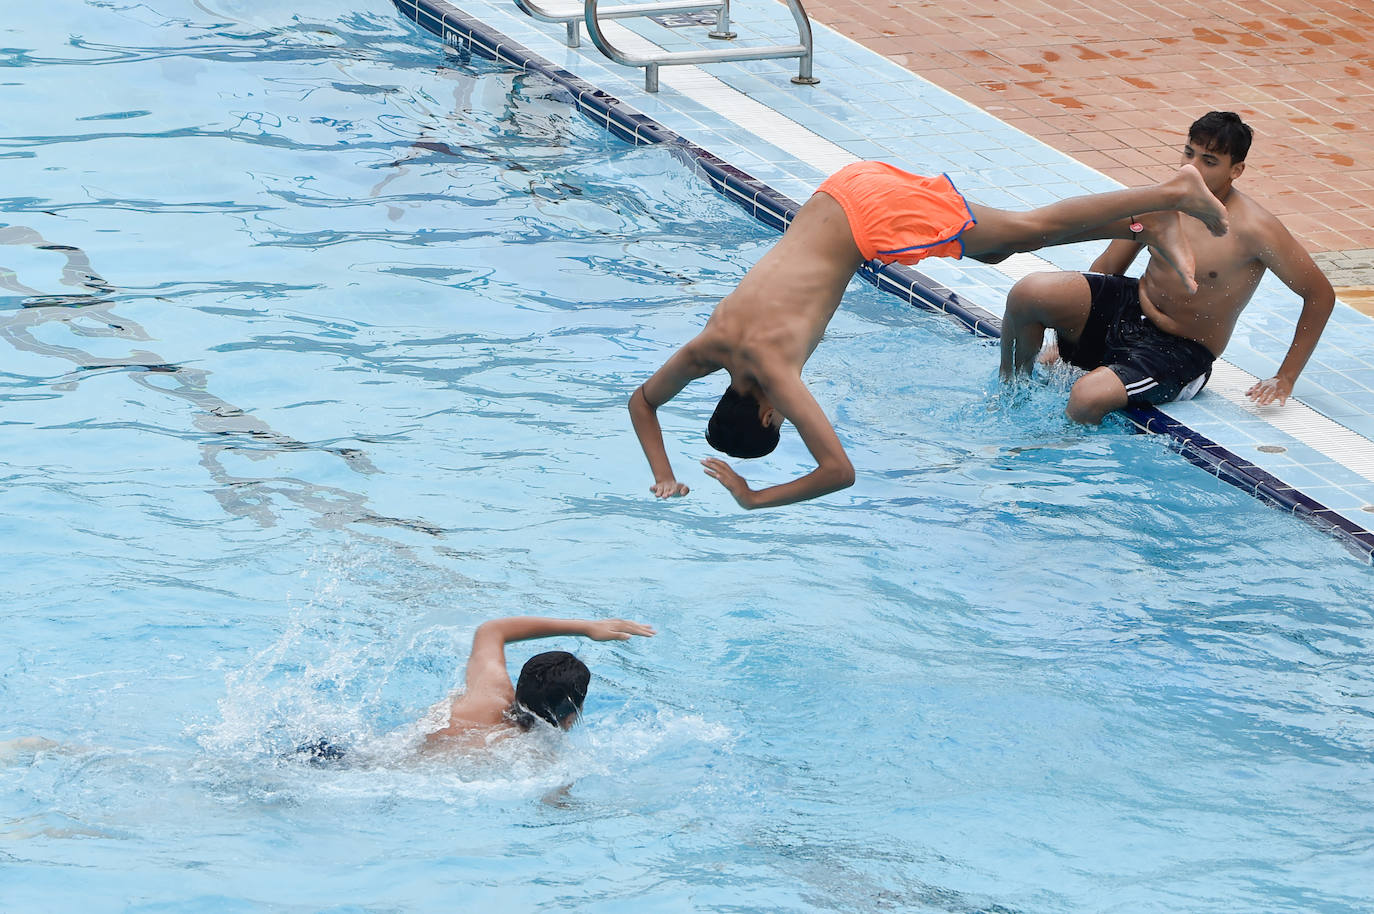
{"x":462,"y":32}
{"x":1230,"y":467}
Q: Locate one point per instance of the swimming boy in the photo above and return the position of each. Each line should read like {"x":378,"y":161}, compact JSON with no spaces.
{"x":1153,"y":340}
{"x":763,"y":332}
{"x":551,"y":687}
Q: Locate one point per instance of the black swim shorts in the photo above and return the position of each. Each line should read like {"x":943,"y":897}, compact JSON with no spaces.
{"x":1155,"y":366}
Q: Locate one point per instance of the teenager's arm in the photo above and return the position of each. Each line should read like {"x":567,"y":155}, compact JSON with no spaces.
{"x":680,"y":369}
{"x":1117,"y":258}
{"x":833,"y":470}
{"x":1291,"y":263}
{"x":487,"y":662}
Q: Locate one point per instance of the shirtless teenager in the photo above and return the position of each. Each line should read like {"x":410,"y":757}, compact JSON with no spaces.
{"x":551,"y":687}
{"x":1154,"y":340}
{"x":763,"y":332}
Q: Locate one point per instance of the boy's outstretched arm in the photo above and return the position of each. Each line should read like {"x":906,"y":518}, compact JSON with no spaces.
{"x":833,"y":470}
{"x":680,"y":369}
{"x":486,"y":670}
{"x":1291,"y":263}
{"x":1117,"y":258}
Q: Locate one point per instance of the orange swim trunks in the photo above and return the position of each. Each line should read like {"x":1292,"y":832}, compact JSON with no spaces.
{"x":897,"y":216}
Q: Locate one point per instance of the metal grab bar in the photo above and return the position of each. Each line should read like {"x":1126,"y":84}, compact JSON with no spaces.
{"x":722,"y":7}
{"x":651,"y":63}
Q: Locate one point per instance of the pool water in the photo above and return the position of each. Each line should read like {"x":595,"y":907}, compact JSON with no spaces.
{"x":314,"y":354}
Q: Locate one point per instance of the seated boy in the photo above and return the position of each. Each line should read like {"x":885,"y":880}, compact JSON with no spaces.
{"x":1145,"y":341}
{"x":763,"y":332}
{"x":551,"y":687}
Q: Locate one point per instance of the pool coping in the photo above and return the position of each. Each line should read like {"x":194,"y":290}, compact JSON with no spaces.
{"x":464,"y":32}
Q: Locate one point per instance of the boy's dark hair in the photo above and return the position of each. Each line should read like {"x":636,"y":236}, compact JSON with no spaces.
{"x":735,"y":428}
{"x":551,"y":686}
{"x":1222,"y":132}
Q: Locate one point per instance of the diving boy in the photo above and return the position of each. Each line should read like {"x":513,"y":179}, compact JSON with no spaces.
{"x":551,"y":687}
{"x":763,"y":332}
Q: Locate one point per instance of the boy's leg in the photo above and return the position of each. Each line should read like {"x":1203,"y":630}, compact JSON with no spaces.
{"x":1094,"y":395}
{"x":1076,"y":218}
{"x":1040,"y":302}
{"x":1100,"y":216}
{"x":1163,"y":232}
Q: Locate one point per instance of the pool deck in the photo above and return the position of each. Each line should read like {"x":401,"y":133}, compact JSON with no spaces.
{"x":1024,"y":108}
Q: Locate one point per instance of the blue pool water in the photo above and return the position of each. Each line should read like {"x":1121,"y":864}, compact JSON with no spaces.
{"x":338,"y":370}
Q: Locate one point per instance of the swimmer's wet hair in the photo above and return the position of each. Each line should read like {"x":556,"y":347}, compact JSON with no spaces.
{"x":551,"y":686}
{"x":735,"y":428}
{"x":1223,"y":132}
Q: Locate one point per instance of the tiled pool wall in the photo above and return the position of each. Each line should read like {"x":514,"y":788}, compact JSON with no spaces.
{"x":466,"y":33}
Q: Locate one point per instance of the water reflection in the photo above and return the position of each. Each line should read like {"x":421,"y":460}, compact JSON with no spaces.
{"x":89,"y":312}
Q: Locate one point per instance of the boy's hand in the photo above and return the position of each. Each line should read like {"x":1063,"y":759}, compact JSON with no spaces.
{"x":720,"y":470}
{"x":617,"y":630}
{"x":669,"y":488}
{"x":1266,"y":392}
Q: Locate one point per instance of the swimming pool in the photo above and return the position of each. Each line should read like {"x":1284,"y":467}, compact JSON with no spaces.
{"x":351,"y":379}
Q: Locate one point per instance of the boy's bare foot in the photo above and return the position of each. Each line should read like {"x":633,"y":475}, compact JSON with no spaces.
{"x":1163,"y":232}
{"x":1196,"y":200}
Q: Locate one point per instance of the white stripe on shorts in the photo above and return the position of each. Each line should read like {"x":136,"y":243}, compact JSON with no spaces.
{"x":1141,"y":386}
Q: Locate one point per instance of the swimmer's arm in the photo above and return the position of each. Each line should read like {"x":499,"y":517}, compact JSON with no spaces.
{"x":486,"y":669}
{"x":1117,"y":258}
{"x":1291,"y":263}
{"x":666,"y":383}
{"x":833,"y":470}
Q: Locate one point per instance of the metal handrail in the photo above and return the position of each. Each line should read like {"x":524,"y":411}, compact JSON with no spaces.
{"x":631,"y":11}
{"x":651,"y":63}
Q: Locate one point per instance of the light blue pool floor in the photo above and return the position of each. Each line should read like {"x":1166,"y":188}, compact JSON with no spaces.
{"x":866,"y":107}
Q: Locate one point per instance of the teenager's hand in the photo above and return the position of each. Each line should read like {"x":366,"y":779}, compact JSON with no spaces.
{"x":669,"y":488}
{"x":617,"y":630}
{"x":720,"y":470}
{"x":1266,"y":392}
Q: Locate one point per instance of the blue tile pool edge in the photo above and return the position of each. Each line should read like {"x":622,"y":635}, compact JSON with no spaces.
{"x":1229,"y":467}
{"x":465,"y":33}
